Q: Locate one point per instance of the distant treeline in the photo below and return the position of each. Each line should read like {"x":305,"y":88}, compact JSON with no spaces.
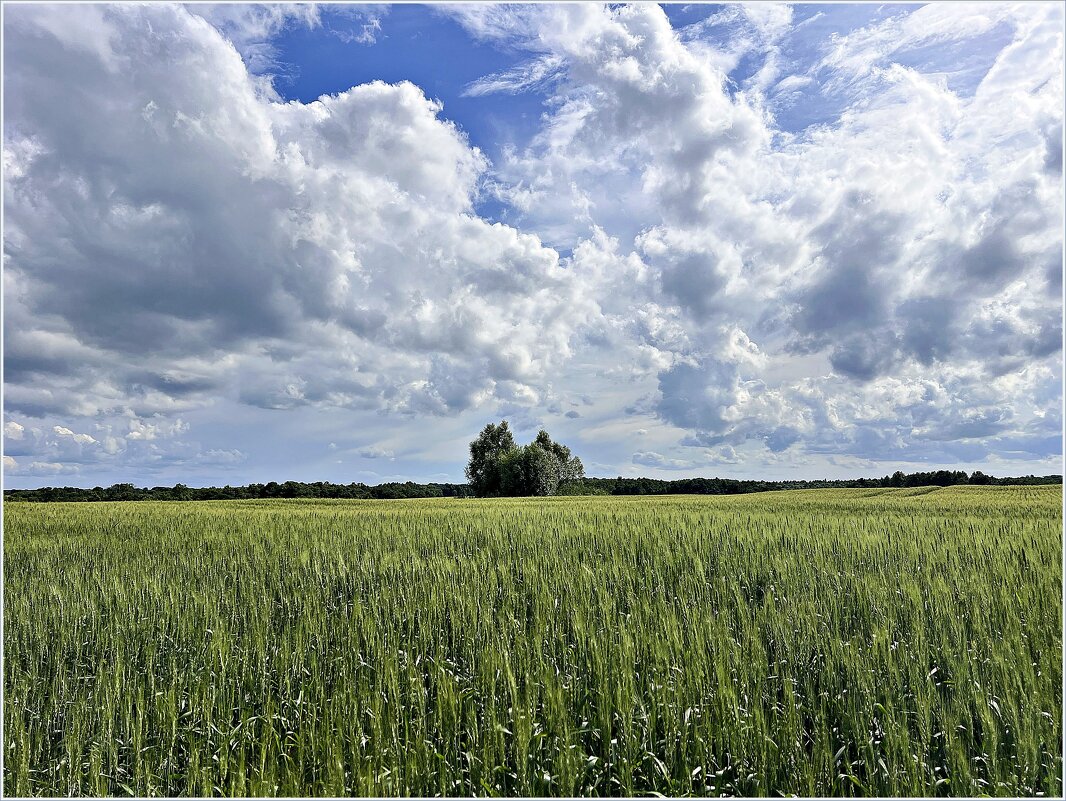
{"x":729,"y":486}
{"x":585,"y":486}
{"x":288,"y":489}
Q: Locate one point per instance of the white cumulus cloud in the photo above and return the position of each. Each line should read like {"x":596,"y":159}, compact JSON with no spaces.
{"x":678,"y":252}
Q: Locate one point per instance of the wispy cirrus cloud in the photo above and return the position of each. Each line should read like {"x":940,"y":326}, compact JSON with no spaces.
{"x":537,"y":74}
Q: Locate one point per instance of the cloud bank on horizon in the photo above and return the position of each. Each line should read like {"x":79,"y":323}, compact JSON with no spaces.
{"x":747,"y":240}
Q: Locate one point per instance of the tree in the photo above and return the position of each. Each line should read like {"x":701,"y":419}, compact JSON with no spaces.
{"x":498,"y":467}
{"x":540,"y":470}
{"x":568,"y":467}
{"x":493,"y":449}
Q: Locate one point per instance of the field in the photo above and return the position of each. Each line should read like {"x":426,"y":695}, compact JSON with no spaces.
{"x":835,"y":642}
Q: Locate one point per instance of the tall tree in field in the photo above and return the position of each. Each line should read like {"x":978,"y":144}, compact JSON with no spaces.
{"x":540,"y":471}
{"x":489,"y":453}
{"x":498,"y":467}
{"x":569,"y":466}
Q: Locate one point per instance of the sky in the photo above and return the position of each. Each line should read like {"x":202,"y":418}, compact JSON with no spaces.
{"x":330,"y":243}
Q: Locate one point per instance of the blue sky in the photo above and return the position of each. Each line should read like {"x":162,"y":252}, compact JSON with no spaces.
{"x":418,"y":44}
{"x":311,"y":242}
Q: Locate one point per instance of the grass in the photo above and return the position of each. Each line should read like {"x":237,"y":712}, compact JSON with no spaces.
{"x":835,"y":642}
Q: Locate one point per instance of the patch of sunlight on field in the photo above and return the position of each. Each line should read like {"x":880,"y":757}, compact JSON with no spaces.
{"x":828,"y":642}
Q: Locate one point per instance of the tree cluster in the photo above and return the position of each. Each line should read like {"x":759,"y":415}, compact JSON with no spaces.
{"x":730,"y":486}
{"x":515,"y":475}
{"x":272,"y":489}
{"x":499,"y":467}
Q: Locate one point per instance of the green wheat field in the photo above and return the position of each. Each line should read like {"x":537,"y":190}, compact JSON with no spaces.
{"x":829,"y":642}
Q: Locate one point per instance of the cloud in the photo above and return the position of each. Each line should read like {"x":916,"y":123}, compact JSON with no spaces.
{"x":322,"y":253}
{"x":122,"y":443}
{"x":222,"y":456}
{"x":927,"y":31}
{"x":883,"y":283}
{"x":251,"y":28}
{"x":38,"y":469}
{"x":374,"y":452}
{"x":144,"y":430}
{"x":358,"y":24}
{"x":657,"y":460}
{"x":537,"y":74}
{"x":497,"y":22}
{"x":81,"y":439}
{"x":819,"y":247}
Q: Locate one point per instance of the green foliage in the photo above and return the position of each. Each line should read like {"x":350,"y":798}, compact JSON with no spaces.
{"x":391,"y":490}
{"x":567,"y":468}
{"x":891,"y":642}
{"x":490,"y":465}
{"x":571,"y":483}
{"x":500,"y":468}
{"x":576,"y":488}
